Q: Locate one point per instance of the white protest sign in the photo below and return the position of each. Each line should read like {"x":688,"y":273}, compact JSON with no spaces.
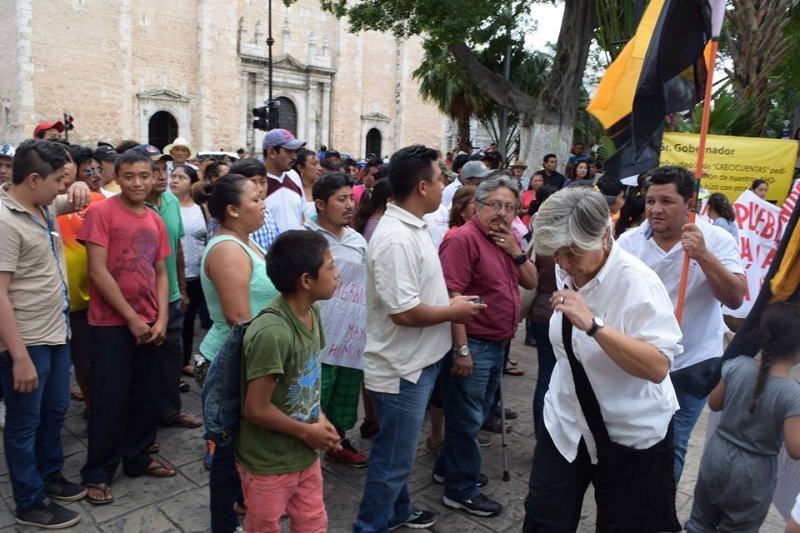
{"x":760,"y":231}
{"x":344,"y":318}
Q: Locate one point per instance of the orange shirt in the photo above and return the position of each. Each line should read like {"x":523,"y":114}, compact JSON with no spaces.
{"x":75,"y":255}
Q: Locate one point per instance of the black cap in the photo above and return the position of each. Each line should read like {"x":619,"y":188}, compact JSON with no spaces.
{"x":105,"y":153}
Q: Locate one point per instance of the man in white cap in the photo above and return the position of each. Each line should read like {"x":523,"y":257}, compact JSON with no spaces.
{"x":180,"y":151}
{"x":472,"y":173}
{"x":284,"y":189}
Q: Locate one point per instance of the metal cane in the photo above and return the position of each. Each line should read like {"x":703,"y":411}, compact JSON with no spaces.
{"x":506,"y":476}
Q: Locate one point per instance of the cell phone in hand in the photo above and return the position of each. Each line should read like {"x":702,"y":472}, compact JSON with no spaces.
{"x":477,"y":301}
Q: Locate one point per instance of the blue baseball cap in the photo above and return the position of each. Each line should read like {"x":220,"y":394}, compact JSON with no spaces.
{"x":282,"y":138}
{"x":153,"y":151}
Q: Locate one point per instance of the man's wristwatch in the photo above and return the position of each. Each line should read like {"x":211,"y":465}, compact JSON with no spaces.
{"x":597,"y":323}
{"x":520,"y":259}
{"x":461,"y":351}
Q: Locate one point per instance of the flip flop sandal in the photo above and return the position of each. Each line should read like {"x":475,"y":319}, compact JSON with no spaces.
{"x":157,"y":468}
{"x":153,"y":448}
{"x":514,"y":372}
{"x":102,"y":487}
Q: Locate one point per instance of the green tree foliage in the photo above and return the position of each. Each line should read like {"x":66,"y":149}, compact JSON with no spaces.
{"x":761,"y":36}
{"x":445,"y":83}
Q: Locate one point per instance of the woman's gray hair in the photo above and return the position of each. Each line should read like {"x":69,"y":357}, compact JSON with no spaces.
{"x":487,"y":187}
{"x":573,"y":217}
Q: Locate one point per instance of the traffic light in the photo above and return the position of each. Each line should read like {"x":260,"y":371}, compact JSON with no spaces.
{"x":267,"y":116}
{"x":261,"y":121}
{"x":69,"y":122}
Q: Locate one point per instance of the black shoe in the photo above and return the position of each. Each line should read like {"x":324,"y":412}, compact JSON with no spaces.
{"x":495,"y":425}
{"x":480,"y":505}
{"x":511,"y":414}
{"x":48,"y":515}
{"x":184,"y":387}
{"x":417,"y":520}
{"x":368,"y":428}
{"x":483,"y":479}
{"x":58,"y":488}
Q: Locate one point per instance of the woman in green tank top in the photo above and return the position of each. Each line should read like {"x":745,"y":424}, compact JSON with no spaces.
{"x":234,"y":277}
{"x":233,"y":271}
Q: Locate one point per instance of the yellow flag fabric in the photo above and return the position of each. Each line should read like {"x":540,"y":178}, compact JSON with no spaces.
{"x":613,"y":100}
{"x":787,"y":279}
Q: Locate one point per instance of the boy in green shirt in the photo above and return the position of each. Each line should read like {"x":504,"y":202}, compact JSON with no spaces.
{"x":283,"y":426}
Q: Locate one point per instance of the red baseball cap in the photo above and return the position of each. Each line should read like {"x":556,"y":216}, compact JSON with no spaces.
{"x":43,"y":126}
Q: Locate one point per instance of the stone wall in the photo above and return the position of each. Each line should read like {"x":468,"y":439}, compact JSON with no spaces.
{"x":113,"y":64}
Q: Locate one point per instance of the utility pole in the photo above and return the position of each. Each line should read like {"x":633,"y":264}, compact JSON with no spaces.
{"x":271,"y":103}
{"x":267,"y":117}
{"x":501,"y":145}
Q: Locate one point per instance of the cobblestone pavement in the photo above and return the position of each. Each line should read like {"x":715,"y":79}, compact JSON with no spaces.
{"x":180,"y":504}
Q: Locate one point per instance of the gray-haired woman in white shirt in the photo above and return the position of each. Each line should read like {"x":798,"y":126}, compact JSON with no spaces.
{"x":624,"y":336}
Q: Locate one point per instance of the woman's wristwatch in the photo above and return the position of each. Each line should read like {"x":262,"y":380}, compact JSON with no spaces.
{"x":597,"y":323}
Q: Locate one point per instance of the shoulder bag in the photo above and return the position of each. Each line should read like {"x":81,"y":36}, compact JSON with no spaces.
{"x":634,"y":489}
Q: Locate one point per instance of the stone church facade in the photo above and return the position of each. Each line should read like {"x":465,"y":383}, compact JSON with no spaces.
{"x":152,"y":70}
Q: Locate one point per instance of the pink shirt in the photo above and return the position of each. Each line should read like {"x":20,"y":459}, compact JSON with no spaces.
{"x":473,"y":264}
{"x":358,"y":192}
{"x":135,"y":242}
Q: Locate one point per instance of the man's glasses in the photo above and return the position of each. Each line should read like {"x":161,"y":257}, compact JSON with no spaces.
{"x":499,"y":206}
{"x":91,"y":171}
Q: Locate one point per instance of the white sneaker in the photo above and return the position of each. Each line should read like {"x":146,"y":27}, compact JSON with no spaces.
{"x":2,"y":414}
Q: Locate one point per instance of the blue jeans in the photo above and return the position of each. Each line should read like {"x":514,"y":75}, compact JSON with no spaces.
{"x":386,"y":501}
{"x":225,"y":488}
{"x":32,"y":435}
{"x":547,"y":362}
{"x":685,"y":419}
{"x":529,"y":338}
{"x":467,"y":403}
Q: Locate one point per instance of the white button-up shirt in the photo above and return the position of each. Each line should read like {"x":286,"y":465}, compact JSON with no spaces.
{"x":403,"y":270}
{"x":630,"y":298}
{"x":702,"y":324}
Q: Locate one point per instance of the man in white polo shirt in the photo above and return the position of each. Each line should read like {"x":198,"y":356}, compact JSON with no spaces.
{"x":716,"y":278}
{"x":408,"y":333}
{"x":284,"y":188}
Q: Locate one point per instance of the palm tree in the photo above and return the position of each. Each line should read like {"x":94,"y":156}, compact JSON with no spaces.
{"x":759,"y":45}
{"x":445,"y":83}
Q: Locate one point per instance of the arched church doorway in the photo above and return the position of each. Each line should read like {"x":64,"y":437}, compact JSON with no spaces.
{"x":374,"y":142}
{"x":162,"y":129}
{"x":287,"y":119}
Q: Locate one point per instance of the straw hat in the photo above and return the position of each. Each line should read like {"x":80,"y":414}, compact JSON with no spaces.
{"x":180,"y":141}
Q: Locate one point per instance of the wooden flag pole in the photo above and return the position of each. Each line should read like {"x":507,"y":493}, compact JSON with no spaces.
{"x":698,"y":173}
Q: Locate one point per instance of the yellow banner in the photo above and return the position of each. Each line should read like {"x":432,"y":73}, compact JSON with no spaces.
{"x":733,"y":163}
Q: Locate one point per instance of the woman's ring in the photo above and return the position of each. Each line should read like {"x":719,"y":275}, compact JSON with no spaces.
{"x":562,"y":300}
{"x":502,"y":240}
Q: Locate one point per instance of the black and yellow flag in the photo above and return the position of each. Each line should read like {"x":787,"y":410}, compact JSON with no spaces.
{"x":661,"y":70}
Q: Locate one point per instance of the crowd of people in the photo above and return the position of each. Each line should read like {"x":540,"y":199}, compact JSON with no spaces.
{"x":109,"y":256}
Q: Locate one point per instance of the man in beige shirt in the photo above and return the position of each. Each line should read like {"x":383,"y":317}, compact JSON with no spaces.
{"x":34,"y":330}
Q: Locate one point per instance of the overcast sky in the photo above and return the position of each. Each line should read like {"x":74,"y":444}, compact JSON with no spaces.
{"x":548,"y":17}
